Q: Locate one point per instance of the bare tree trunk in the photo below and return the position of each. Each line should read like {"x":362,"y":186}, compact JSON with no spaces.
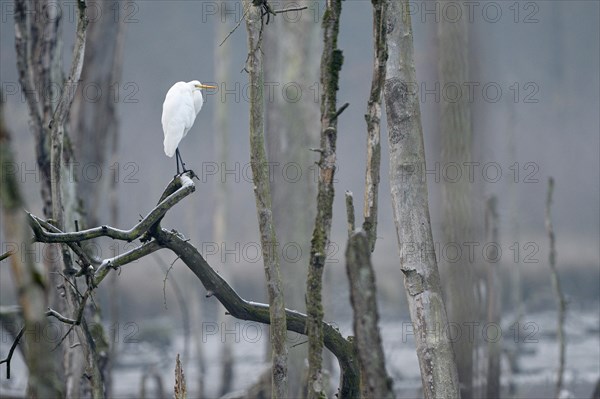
{"x":560,"y":297}
{"x":95,"y":129}
{"x":39,"y":53}
{"x":220,"y":220}
{"x":456,"y":136}
{"x":373,"y":118}
{"x":493,"y":308}
{"x":363,"y":294}
{"x":331,"y":64}
{"x":262,"y":192}
{"x":31,"y":283}
{"x":292,"y":127}
{"x":95,"y":123}
{"x":411,"y":210}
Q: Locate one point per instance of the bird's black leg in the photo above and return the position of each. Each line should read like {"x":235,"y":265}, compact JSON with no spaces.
{"x":177,"y":160}
{"x":180,"y":160}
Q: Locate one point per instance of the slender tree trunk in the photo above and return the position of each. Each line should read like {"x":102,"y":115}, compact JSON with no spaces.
{"x":220,"y":220}
{"x":262,"y":192}
{"x":331,"y":64}
{"x":292,"y":127}
{"x":411,"y":210}
{"x":560,"y":298}
{"x":95,"y":123}
{"x":456,"y":135}
{"x":373,"y":118}
{"x":95,"y":130}
{"x":493,"y":306}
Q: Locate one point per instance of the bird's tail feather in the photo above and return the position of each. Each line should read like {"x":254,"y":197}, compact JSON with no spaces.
{"x":173,"y":136}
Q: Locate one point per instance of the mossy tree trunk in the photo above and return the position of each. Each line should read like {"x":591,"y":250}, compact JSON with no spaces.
{"x":331,"y":64}
{"x":262,"y":193}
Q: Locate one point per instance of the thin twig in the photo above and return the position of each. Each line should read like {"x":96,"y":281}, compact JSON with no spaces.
{"x":166,"y":278}
{"x":290,"y":9}
{"x":234,"y":29}
{"x":562,"y":303}
{"x":5,"y":255}
{"x":53,"y":313}
{"x":298,"y":344}
{"x":72,"y":322}
{"x":185,"y":314}
{"x":339,"y":111}
{"x":11,"y":351}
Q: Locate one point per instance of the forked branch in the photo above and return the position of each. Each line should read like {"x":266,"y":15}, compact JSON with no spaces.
{"x":159,"y":238}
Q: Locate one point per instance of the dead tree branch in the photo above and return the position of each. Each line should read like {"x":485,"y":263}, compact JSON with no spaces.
{"x":373,"y":118}
{"x":363,"y":294}
{"x":239,"y":308}
{"x":5,"y":255}
{"x":172,"y":196}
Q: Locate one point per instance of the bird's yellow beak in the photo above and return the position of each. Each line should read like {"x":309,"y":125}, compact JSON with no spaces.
{"x":201,"y":86}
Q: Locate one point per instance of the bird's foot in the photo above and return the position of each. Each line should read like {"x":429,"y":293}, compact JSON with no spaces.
{"x":187,"y":171}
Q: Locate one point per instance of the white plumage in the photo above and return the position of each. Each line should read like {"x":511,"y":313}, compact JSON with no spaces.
{"x":182,"y":103}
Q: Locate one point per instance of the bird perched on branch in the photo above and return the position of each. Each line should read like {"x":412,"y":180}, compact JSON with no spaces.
{"x":182,"y":103}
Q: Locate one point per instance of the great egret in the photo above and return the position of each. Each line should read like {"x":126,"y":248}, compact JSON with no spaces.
{"x":182,"y":103}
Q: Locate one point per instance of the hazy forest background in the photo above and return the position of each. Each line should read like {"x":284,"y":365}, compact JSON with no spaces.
{"x":533,"y":68}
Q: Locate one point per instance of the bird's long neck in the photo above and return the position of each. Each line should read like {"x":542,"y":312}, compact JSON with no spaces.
{"x":198,"y":101}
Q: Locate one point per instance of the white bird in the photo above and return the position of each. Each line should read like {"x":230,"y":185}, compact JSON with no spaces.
{"x":182,"y":103}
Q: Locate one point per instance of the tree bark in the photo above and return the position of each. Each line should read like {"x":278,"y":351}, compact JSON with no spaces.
{"x":373,"y":118}
{"x":367,"y":339}
{"x":262,"y":192}
{"x":331,"y":64}
{"x":411,"y":210}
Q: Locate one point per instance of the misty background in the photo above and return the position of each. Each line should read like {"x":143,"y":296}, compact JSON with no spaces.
{"x":535,"y":69}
